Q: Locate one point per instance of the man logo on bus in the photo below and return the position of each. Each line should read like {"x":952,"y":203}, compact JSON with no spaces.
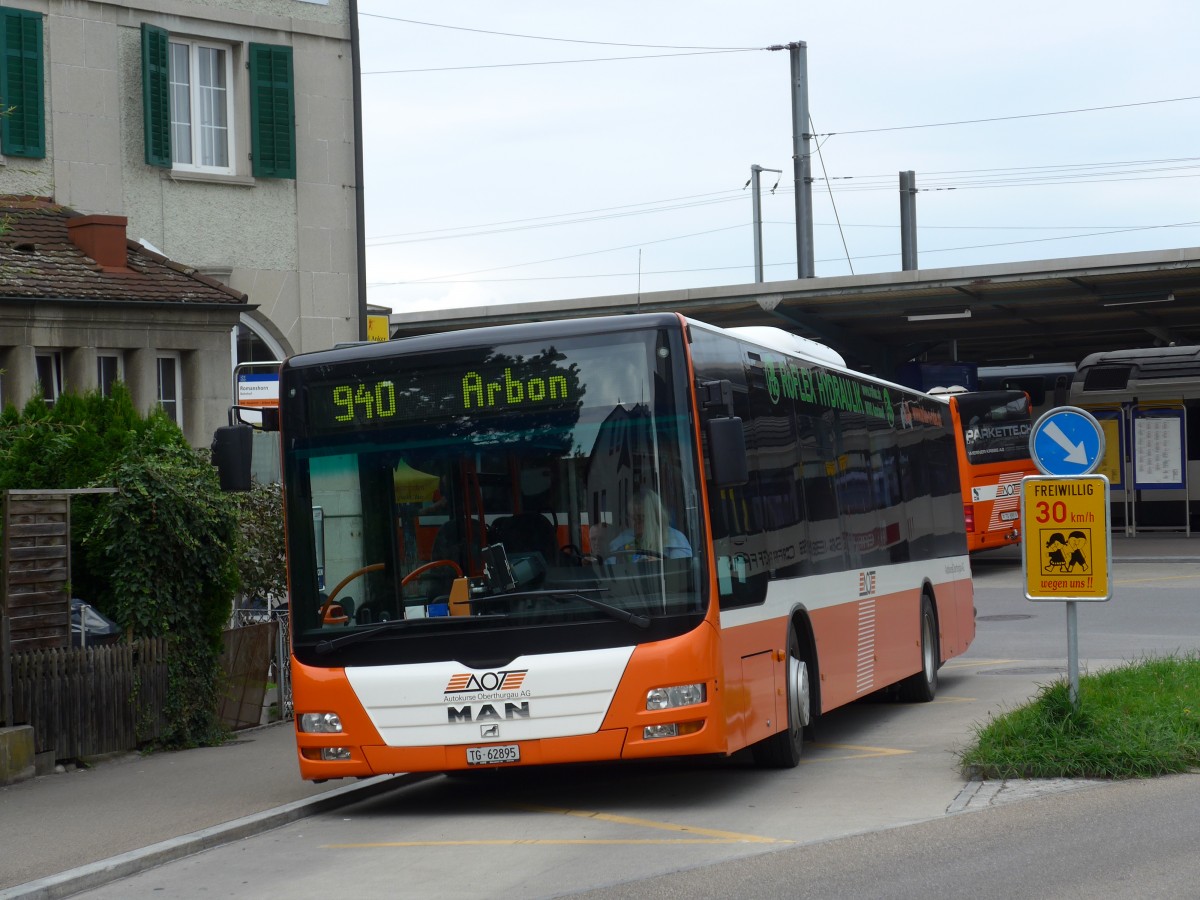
{"x":471,"y":682}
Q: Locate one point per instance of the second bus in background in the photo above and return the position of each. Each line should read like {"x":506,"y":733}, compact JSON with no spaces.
{"x":991,"y":430}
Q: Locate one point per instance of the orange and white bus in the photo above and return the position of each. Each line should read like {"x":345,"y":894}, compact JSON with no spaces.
{"x":992,"y":431}
{"x":655,"y":538}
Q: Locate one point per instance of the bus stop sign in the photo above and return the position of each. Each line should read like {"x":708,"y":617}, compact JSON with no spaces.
{"x":1066,"y":441}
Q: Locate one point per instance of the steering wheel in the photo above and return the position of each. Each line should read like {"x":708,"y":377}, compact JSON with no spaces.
{"x":422,"y":569}
{"x":327,"y":611}
{"x":652,"y":555}
{"x":572,"y":553}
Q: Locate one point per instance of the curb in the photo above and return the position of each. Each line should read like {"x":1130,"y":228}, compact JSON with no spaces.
{"x":106,"y":871}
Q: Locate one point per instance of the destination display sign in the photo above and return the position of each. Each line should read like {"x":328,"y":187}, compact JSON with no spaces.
{"x":430,"y":393}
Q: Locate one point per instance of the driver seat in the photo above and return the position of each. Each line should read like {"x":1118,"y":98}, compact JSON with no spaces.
{"x":527,"y":532}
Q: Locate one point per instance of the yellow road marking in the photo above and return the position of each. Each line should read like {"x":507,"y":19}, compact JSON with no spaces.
{"x":976,"y":663}
{"x":862,"y":752}
{"x":703,"y":835}
{"x":1163,"y":578}
{"x":722,"y":836}
{"x":516,"y":842}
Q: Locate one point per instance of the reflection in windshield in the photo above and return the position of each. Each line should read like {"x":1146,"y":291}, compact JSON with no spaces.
{"x":567,"y":494}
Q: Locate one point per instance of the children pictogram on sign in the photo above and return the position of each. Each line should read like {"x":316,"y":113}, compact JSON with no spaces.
{"x":1066,"y":552}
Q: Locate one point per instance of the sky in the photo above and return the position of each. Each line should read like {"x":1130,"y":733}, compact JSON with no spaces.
{"x":537,"y":150}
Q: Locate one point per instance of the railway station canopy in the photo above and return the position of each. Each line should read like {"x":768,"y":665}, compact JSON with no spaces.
{"x":1006,"y":314}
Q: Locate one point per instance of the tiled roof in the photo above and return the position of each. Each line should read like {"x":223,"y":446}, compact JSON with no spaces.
{"x":39,"y":261}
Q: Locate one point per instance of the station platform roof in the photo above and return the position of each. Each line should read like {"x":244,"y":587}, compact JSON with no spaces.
{"x":1039,"y":312}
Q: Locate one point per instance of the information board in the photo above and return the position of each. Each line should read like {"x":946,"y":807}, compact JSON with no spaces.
{"x":1159,"y":448}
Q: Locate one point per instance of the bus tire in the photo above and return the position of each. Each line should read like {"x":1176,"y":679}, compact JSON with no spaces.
{"x":922,"y":686}
{"x":783,"y":749}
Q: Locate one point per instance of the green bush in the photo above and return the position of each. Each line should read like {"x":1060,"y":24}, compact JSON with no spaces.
{"x":260,"y":557}
{"x":160,"y":556}
{"x":165,"y":544}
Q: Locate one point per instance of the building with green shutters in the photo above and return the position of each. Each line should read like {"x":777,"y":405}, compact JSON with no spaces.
{"x":222,"y":131}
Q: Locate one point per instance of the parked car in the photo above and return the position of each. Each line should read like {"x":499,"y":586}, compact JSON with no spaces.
{"x":89,"y":622}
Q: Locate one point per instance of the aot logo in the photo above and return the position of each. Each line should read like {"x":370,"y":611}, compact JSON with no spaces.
{"x":474,"y":682}
{"x":866,"y":583}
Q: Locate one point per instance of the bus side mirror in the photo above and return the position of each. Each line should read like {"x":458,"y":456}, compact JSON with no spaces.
{"x":231,"y":453}
{"x":727,"y":452}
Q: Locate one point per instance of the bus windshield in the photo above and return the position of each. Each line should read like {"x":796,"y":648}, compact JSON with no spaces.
{"x":995,"y":426}
{"x":557,"y":476}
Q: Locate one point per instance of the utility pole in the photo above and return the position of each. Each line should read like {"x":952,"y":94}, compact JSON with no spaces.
{"x":758,"y":258}
{"x":908,"y":220}
{"x":802,"y":159}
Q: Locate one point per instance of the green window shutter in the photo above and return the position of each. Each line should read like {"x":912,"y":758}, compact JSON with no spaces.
{"x":156,"y":96}
{"x":272,"y":112}
{"x":23,"y":124}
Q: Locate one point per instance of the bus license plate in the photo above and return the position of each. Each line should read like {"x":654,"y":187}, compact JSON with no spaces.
{"x":1011,"y":516}
{"x":499,"y":753}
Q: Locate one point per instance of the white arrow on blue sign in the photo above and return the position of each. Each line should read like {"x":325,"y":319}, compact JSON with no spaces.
{"x":1066,"y":441}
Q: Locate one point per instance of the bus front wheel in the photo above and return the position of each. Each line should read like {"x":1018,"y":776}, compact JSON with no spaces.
{"x":783,"y":749}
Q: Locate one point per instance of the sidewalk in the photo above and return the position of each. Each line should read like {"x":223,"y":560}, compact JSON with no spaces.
{"x":132,"y":812}
{"x":64,"y":833}
{"x":1157,"y":546}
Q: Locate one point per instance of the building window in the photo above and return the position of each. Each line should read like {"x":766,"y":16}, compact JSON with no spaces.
{"x":168,"y":388}
{"x":190,"y":104}
{"x":49,"y":374}
{"x":23,"y":119}
{"x":200,"y":76}
{"x":108,"y":371}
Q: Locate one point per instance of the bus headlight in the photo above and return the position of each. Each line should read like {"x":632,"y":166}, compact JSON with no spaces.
{"x":321,"y":723}
{"x":679,"y":695}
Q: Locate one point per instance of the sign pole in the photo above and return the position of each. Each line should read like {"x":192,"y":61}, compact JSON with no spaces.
{"x":1066,"y":542}
{"x":1073,"y":655}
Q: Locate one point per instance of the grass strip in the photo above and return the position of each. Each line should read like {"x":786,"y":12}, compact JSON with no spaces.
{"x":1136,"y":721}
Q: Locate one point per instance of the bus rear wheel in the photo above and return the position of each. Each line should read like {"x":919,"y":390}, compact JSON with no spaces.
{"x":922,"y":686}
{"x":783,"y":749}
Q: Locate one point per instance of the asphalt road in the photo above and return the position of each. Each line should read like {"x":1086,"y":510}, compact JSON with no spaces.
{"x":1123,"y":840}
{"x":878,"y":808}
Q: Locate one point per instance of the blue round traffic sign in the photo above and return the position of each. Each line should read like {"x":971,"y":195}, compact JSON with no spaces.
{"x":1066,"y":440}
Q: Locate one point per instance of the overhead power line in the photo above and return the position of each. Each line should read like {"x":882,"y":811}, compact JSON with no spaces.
{"x":1061,"y":112}
{"x":539,"y":37}
{"x":458,"y":279}
{"x":549,"y":62}
{"x":957,"y":179}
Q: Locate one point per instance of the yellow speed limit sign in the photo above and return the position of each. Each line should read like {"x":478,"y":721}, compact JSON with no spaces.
{"x":1067,"y":544}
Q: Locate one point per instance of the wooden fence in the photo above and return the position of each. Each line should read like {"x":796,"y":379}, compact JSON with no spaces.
{"x":89,"y":702}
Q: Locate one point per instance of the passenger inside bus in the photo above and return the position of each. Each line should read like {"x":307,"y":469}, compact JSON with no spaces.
{"x":649,"y":535}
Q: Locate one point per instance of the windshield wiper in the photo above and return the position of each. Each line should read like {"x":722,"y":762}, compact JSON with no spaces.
{"x":621,"y":615}
{"x":331,"y":644}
